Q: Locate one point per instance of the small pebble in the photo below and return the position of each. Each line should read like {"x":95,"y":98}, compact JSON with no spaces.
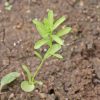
{"x":66,"y":98}
{"x":81,"y":3}
{"x":42,"y":95}
{"x":14,"y":44}
{"x":19,"y":25}
{"x":11,"y":96}
{"x":45,"y":50}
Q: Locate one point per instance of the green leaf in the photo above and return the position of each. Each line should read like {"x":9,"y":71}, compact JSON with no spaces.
{"x":8,"y":6}
{"x":9,"y":78}
{"x":40,"y":43}
{"x":51,"y":51}
{"x":58,"y":22}
{"x":27,"y":72}
{"x":58,"y":56}
{"x":64,"y":31}
{"x":50,"y":18}
{"x":46,"y":24}
{"x":38,"y":54}
{"x":57,"y":39}
{"x":41,"y":28}
{"x":27,"y":87}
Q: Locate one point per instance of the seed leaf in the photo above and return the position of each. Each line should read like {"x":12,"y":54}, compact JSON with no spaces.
{"x":27,"y":72}
{"x":27,"y":87}
{"x":58,"y":56}
{"x":57,"y":39}
{"x":40,"y":43}
{"x":41,"y":28}
{"x":9,"y":78}
{"x":64,"y":31}
{"x":51,"y":51}
{"x":58,"y":22}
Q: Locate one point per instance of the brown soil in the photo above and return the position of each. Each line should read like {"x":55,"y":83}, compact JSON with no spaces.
{"x":77,"y":77}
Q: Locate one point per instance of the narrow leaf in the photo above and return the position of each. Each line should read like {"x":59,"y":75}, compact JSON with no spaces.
{"x":58,"y":56}
{"x":40,"y":43}
{"x":64,"y":31}
{"x":38,"y":54}
{"x":27,"y":87}
{"x":51,"y":51}
{"x":40,"y":27}
{"x":58,"y":22}
{"x":27,"y":72}
{"x":57,"y":39}
{"x":50,"y":18}
{"x":9,"y":78}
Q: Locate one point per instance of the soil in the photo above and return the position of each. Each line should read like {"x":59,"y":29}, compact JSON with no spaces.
{"x":77,"y":76}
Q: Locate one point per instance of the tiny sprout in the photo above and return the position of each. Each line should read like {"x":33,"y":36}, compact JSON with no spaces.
{"x":8,"y":6}
{"x":52,"y":39}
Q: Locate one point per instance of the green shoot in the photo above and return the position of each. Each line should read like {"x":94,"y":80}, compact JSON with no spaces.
{"x":8,"y":6}
{"x":46,"y":30}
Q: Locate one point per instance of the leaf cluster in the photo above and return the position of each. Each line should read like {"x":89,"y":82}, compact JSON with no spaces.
{"x":46,"y":29}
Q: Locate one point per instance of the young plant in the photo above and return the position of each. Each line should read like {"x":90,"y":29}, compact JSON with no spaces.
{"x":8,"y":79}
{"x":53,"y":39}
{"x":7,"y":6}
{"x":29,"y":84}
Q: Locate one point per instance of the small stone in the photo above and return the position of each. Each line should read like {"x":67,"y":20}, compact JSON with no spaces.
{"x":66,"y":98}
{"x":75,"y":29}
{"x":81,"y":3}
{"x":90,"y":46}
{"x":28,"y":11}
{"x":96,"y":81}
{"x":51,"y":97}
{"x":19,"y":25}
{"x":0,"y":11}
{"x":45,"y":50}
{"x":11,"y":95}
{"x":19,"y":41}
{"x":42,"y":95}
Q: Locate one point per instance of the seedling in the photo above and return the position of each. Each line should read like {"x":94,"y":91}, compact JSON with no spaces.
{"x":53,"y":39}
{"x":29,"y":84}
{"x":8,"y":79}
{"x":8,"y":6}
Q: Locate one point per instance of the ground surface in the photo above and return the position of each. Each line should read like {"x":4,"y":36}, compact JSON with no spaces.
{"x":77,"y":77}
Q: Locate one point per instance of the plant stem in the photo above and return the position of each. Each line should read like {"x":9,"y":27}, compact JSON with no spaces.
{"x":50,"y":41}
{"x":38,"y":69}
